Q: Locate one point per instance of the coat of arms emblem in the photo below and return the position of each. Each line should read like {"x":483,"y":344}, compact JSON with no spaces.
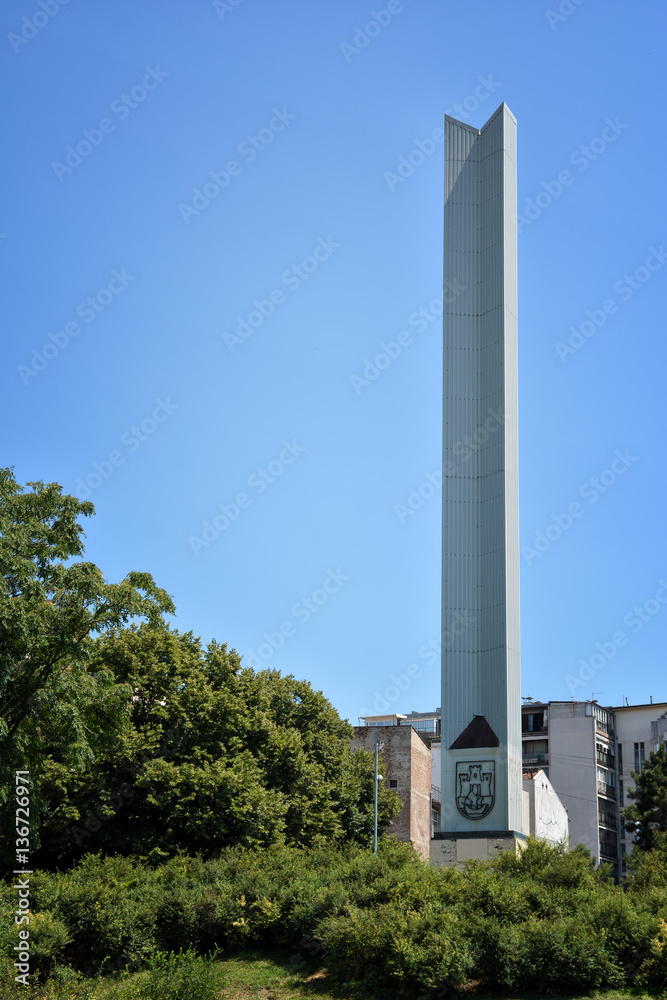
{"x":475,"y":788}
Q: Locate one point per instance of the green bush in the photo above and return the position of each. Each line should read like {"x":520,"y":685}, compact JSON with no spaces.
{"x":653,"y":971}
{"x":545,"y":919}
{"x":389,"y":946}
{"x":108,"y":907}
{"x":64,"y":983}
{"x":184,"y":976}
{"x":563,"y":954}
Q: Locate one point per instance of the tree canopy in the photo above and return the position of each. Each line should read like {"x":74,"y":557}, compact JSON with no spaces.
{"x":209,"y":754}
{"x":647,"y":816}
{"x":140,"y":741}
{"x":50,"y":607}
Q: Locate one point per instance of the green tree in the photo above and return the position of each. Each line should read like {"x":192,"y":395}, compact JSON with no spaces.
{"x":647,"y":816}
{"x":50,"y":606}
{"x":209,"y":754}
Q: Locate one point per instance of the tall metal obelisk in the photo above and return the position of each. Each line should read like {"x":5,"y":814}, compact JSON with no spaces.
{"x":481,"y":697}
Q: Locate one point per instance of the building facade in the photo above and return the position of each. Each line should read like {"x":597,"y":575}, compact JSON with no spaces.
{"x":577,"y":756}
{"x":639,"y":730}
{"x":589,"y":751}
{"x":407,"y":771}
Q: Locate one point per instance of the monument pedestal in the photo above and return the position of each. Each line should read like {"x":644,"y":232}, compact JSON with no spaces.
{"x":454,"y":848}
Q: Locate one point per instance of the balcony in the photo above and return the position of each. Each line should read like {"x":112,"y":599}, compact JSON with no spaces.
{"x":606,"y":759}
{"x":539,"y":759}
{"x":435,"y":794}
{"x":605,"y":789}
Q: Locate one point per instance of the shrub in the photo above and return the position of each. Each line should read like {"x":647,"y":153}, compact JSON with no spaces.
{"x":64,"y":983}
{"x":184,"y":976}
{"x":653,"y":971}
{"x":392,"y":947}
{"x":562,"y":954}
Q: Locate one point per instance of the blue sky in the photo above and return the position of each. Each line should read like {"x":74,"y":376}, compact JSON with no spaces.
{"x":206,"y":238}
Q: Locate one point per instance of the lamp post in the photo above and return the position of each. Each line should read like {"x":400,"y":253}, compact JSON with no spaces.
{"x":379,"y":744}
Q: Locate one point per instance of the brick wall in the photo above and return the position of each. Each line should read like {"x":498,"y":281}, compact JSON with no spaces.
{"x":407,"y":760}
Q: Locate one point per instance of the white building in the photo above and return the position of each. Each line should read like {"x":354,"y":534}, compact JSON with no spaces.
{"x":639,"y":730}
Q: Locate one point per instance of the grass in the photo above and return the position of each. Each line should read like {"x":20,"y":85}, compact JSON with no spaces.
{"x":286,"y":976}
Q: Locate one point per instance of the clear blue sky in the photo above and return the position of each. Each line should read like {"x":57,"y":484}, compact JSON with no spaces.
{"x":303,"y":114}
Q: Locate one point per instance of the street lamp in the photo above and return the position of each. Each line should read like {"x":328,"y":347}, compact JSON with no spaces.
{"x":379,"y":745}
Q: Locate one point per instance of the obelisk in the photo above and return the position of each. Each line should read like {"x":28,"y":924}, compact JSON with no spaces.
{"x":481,"y":697}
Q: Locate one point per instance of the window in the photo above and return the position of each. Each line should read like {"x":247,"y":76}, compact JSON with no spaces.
{"x":603,"y":720}
{"x":607,"y":814}
{"x":639,"y":756}
{"x":604,"y":755}
{"x":532,"y":722}
{"x":393,"y":783}
{"x":608,"y":844}
{"x":620,"y":758}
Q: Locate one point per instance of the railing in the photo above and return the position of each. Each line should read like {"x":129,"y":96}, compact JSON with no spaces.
{"x":535,"y":758}
{"x":534,"y":731}
{"x":435,"y":794}
{"x":609,"y":848}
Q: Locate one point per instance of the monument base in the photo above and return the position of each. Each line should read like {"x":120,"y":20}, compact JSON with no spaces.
{"x":455,"y":848}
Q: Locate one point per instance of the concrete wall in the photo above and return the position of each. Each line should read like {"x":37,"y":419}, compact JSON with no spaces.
{"x":436,"y":761}
{"x":572,"y":769}
{"x":407,"y":760}
{"x":548,"y":818}
{"x":447,"y":851}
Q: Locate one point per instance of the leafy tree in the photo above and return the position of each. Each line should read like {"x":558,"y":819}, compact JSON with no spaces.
{"x":647,"y":816}
{"x":50,"y":607}
{"x":209,"y":754}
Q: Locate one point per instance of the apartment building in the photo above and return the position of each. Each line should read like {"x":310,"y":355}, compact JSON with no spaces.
{"x":585,"y":750}
{"x":588,"y":751}
{"x":639,"y":730}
